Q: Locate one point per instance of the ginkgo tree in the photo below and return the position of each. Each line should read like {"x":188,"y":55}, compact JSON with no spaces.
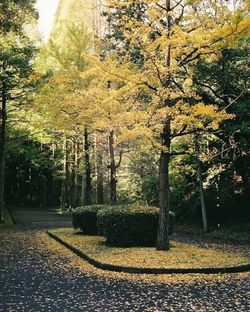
{"x":171,"y":36}
{"x":58,"y":101}
{"x":76,"y":100}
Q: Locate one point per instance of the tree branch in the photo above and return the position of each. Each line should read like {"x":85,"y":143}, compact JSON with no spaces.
{"x":120,"y":160}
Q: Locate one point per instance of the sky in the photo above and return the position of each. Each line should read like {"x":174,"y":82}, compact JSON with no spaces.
{"x":47,"y":10}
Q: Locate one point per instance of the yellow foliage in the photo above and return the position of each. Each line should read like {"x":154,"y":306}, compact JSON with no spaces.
{"x":115,"y":94}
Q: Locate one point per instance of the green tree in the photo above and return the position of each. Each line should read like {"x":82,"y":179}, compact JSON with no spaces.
{"x":226,"y":83}
{"x":16,"y":53}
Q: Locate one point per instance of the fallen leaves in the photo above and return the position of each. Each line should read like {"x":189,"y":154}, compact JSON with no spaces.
{"x":181,"y":255}
{"x":39,"y":274}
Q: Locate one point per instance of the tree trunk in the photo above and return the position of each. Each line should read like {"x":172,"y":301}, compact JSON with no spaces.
{"x":112,"y":168}
{"x":88,"y":180}
{"x":65,"y":179}
{"x":163,"y":242}
{"x":99,"y":186}
{"x":201,"y":189}
{"x":202,"y":197}
{"x":72,"y":172}
{"x":53,"y":182}
{"x":3,"y":115}
{"x":76,"y":176}
{"x":99,"y":175}
{"x":82,"y":189}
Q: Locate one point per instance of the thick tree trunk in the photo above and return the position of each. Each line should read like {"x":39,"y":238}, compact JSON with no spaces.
{"x":112,"y":168}
{"x":88,"y":180}
{"x":163,"y":242}
{"x":3,"y":115}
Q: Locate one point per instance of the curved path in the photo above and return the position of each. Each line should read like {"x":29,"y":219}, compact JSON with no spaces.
{"x":35,"y":277}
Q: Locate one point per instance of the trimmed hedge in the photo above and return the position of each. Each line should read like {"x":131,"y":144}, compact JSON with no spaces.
{"x":132,"y":225}
{"x":85,"y":218}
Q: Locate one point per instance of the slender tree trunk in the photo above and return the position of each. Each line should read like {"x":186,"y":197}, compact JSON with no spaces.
{"x":65,"y":179}
{"x":82,"y":189}
{"x":3,"y":115}
{"x":99,"y":175}
{"x":76,"y":174}
{"x":112,"y":167}
{"x":99,"y":187}
{"x":63,"y":186}
{"x":163,"y":242}
{"x":72,"y":175}
{"x":201,"y":189}
{"x":53,"y":200}
{"x":202,"y":196}
{"x":88,"y":180}
{"x":67,"y":172}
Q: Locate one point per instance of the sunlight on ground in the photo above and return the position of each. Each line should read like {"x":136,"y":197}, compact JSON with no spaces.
{"x":180,"y":255}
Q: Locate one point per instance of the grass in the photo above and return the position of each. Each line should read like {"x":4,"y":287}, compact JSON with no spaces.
{"x":179,"y":256}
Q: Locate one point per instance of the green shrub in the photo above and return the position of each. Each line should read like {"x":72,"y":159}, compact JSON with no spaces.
{"x":130,"y":225}
{"x":85,"y":218}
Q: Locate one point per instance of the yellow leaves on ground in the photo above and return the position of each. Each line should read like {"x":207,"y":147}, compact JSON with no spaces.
{"x":56,"y":254}
{"x":179,"y":256}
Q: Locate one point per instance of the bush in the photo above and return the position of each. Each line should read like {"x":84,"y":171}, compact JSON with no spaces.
{"x":85,"y":218}
{"x":130,"y":225}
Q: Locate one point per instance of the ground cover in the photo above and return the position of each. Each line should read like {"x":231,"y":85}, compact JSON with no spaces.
{"x":181,"y":255}
{"x":239,"y":233}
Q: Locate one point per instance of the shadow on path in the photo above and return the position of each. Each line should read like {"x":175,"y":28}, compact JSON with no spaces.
{"x":39,"y":218}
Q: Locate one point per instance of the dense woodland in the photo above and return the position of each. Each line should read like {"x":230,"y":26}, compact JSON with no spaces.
{"x":131,"y":101}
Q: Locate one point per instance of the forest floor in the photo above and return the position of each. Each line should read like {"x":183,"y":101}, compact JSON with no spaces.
{"x":38,"y":274}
